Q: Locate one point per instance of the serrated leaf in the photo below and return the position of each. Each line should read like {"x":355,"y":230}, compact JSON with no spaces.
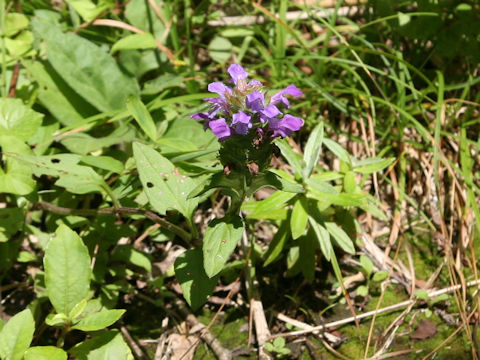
{"x":197,"y":287}
{"x":135,"y":41}
{"x":299,"y":218}
{"x":105,"y":346}
{"x":85,"y":67}
{"x":341,"y":237}
{"x":141,"y":115}
{"x":220,"y":239}
{"x":294,"y":159}
{"x":164,"y":186}
{"x":313,"y":150}
{"x":99,"y":320}
{"x":323,"y":238}
{"x":16,"y":178}
{"x":16,"y":335}
{"x":18,"y":120}
{"x":67,"y":270}
{"x":45,"y":353}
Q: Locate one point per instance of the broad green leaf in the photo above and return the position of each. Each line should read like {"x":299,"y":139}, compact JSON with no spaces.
{"x":85,"y":67}
{"x":14,"y":23}
{"x":323,"y":238}
{"x":103,"y":162}
{"x":339,"y":151}
{"x":341,"y":237}
{"x":312,"y":150}
{"x":75,"y":178}
{"x":140,"y":113}
{"x":99,"y":320}
{"x":67,"y":270}
{"x":18,"y":120}
{"x":196,"y":285}
{"x":294,"y":159}
{"x":371,"y":165}
{"x":164,"y":186}
{"x":220,"y":49}
{"x":16,"y":177}
{"x":272,"y":180}
{"x":53,"y":93}
{"x":105,"y":346}
{"x":11,"y":220}
{"x":16,"y":335}
{"x":45,"y":353}
{"x":87,"y":9}
{"x":135,"y":41}
{"x":277,"y":245}
{"x":127,"y":253}
{"x":21,"y":45}
{"x":299,"y":218}
{"x":220,"y":239}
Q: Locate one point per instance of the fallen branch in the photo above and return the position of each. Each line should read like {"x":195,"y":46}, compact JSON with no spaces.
{"x":334,"y":324}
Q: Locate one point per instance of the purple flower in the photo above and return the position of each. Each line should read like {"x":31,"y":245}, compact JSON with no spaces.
{"x":269,"y":113}
{"x":255,"y":101}
{"x":242,"y":123}
{"x":286,"y":126}
{"x":220,"y":129}
{"x":237,"y":73}
{"x":279,"y":97}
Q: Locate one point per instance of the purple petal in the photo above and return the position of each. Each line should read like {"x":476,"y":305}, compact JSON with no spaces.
{"x":255,"y":101}
{"x":254,"y":83}
{"x":285,"y":126}
{"x":279,"y":97}
{"x":237,"y":73}
{"x":271,"y":111}
{"x":220,"y":128}
{"x":219,"y":88}
{"x":242,"y":123}
{"x":293,"y":91}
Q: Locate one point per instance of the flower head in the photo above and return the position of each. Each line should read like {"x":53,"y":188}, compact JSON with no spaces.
{"x":244,"y":109}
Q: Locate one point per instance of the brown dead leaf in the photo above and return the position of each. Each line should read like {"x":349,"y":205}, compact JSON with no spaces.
{"x":425,"y":330}
{"x":181,"y":347}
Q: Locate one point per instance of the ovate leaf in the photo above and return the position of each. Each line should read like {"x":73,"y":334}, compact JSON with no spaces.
{"x":11,"y":220}
{"x":45,"y":353}
{"x":196,"y":285}
{"x":220,"y":49}
{"x":106,"y":346}
{"x":16,"y":177}
{"x":67,"y":270}
{"x":87,"y":68}
{"x":16,"y":336}
{"x":99,"y":320}
{"x":18,"y":120}
{"x":164,"y":186}
{"x":220,"y":240}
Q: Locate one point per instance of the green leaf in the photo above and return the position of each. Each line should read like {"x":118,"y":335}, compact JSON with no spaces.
{"x":58,"y":320}
{"x":275,"y":201}
{"x":380,"y":276}
{"x":135,"y":41}
{"x":45,"y":353}
{"x":18,"y":120}
{"x":220,"y":239}
{"x":82,"y":143}
{"x":99,"y":320}
{"x":294,"y":159}
{"x":17,"y":177}
{"x":323,"y":238}
{"x":277,"y":245}
{"x":103,"y":162}
{"x":87,"y":9}
{"x":339,"y":151}
{"x":11,"y":220}
{"x":164,"y":186}
{"x":299,"y":217}
{"x":362,"y":290}
{"x":196,"y":285}
{"x":67,"y":270}
{"x":75,"y":178}
{"x":86,"y":67}
{"x":313,"y":150}
{"x":341,"y":237}
{"x":129,"y":254}
{"x":421,"y":294}
{"x":229,"y":183}
{"x":14,"y":23}
{"x":105,"y":346}
{"x":367,"y":264}
{"x":371,"y":165}
{"x":16,"y":335}
{"x":220,"y":49}
{"x":272,"y":180}
{"x":349,"y":182}
{"x":140,"y":113}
